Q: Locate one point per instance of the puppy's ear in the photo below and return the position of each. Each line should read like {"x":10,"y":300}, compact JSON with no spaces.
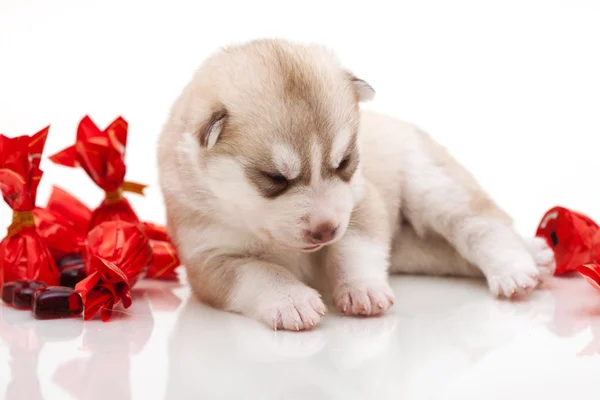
{"x":364,"y":91}
{"x":210,"y":130}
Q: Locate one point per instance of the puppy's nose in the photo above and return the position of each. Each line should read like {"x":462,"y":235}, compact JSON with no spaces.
{"x":323,"y":233}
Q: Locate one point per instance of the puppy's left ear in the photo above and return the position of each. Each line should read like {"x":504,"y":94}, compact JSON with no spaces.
{"x":364,"y":91}
{"x":210,"y":130}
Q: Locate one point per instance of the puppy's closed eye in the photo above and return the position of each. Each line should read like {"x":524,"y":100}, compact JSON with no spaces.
{"x":269,"y":184}
{"x":277,"y":179}
{"x":344,"y":164}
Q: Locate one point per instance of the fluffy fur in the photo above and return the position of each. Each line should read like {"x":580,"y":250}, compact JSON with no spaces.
{"x":276,"y":184}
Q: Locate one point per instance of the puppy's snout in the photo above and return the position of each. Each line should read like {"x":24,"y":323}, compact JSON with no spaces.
{"x":322,"y":233}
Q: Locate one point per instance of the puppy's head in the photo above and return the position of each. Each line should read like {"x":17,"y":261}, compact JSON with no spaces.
{"x":277,"y":125}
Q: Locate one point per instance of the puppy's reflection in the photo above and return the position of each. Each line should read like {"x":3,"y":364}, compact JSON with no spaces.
{"x":214,"y":354}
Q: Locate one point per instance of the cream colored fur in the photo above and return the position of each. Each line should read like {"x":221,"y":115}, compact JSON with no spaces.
{"x":397,"y":200}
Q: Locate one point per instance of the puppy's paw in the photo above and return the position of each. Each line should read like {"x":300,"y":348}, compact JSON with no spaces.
{"x":363,"y":298}
{"x":514,"y":280}
{"x":542,"y":254}
{"x":299,"y":309}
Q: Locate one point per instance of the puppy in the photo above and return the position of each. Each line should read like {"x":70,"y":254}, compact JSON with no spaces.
{"x":275,"y":183}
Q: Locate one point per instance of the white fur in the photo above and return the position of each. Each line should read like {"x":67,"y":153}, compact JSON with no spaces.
{"x":275,"y":299}
{"x":339,"y":147}
{"x":287,"y":161}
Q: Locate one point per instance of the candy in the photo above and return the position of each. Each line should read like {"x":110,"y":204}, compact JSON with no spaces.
{"x":23,"y":253}
{"x":72,"y":275}
{"x":574,"y":238}
{"x":68,"y":261}
{"x":164,"y":261}
{"x":20,"y":293}
{"x":101,"y":153}
{"x":116,"y":257}
{"x":591,"y":273}
{"x":56,"y":302}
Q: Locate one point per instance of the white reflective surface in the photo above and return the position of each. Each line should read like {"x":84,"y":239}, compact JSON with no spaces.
{"x":444,"y":339}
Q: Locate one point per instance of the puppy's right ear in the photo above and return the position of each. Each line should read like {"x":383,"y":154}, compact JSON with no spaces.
{"x":209,"y":131}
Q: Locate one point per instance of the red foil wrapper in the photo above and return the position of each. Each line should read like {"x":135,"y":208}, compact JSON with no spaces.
{"x":23,"y":253}
{"x":116,"y":257}
{"x":70,"y":207}
{"x":155,"y":232}
{"x":575,"y":239}
{"x":164,"y":261}
{"x":63,"y":225}
{"x":591,"y":273}
{"x":101,"y":153}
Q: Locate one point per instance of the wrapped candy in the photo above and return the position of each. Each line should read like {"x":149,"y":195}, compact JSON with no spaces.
{"x":101,"y":153}
{"x":71,"y":208}
{"x":116,"y":257}
{"x":63,"y":224}
{"x":164,"y":261}
{"x":575,"y":240}
{"x":23,"y":253}
{"x":155,"y":232}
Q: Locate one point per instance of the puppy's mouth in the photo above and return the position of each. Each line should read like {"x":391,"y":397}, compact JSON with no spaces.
{"x":313,"y":248}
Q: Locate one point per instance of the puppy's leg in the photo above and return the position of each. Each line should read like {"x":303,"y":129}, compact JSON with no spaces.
{"x":440,"y":195}
{"x":357,"y":265}
{"x":430,"y":255}
{"x":257,"y":289}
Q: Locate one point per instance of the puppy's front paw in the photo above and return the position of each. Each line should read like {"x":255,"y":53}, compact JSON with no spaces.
{"x":363,"y":298}
{"x":299,"y":309}
{"x":514,"y":280}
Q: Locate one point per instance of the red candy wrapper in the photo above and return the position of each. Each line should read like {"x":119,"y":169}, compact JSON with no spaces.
{"x":101,"y":153}
{"x":164,"y":261}
{"x":68,"y":206}
{"x":116,"y":257}
{"x":63,"y":225}
{"x":575,"y":239}
{"x":155,"y":232}
{"x":23,"y":253}
{"x":591,"y":273}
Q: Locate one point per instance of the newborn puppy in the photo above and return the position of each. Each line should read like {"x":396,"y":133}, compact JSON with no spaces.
{"x":275,"y":183}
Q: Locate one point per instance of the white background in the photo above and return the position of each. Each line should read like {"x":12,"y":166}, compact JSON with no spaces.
{"x":512,"y":88}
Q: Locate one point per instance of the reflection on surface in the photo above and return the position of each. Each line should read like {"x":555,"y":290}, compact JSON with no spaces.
{"x":103,"y":372}
{"x":440,"y":337}
{"x":100,"y":365}
{"x":577,"y":308}
{"x":25,"y":338}
{"x":216,"y":354}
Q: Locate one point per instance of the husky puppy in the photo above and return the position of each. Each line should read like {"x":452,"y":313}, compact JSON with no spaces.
{"x":277,"y":187}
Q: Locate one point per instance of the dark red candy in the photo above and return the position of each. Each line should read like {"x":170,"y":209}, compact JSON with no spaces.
{"x":56,"y":302}
{"x":20,"y":293}
{"x":71,"y":276}
{"x":67,"y":261}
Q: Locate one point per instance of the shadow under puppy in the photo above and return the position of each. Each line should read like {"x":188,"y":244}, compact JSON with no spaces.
{"x":275,"y":183}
